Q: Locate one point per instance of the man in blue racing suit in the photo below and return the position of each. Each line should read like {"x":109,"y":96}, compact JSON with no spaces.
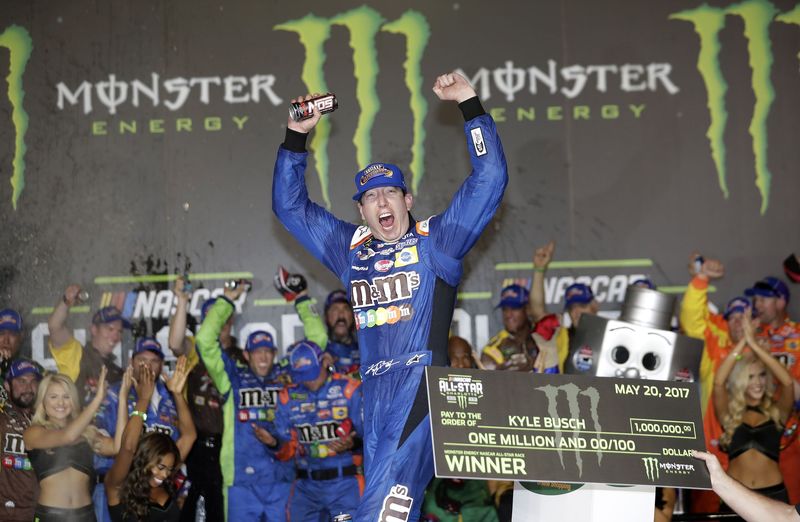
{"x":320,"y":417}
{"x":402,"y":277}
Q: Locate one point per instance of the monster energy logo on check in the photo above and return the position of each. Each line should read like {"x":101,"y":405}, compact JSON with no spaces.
{"x":651,"y":468}
{"x":363,"y":24}
{"x":708,"y":22}
{"x":572,"y":393}
{"x":461,"y":389}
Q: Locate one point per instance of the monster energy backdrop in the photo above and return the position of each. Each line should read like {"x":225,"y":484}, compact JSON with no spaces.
{"x":137,"y":141}
{"x":571,"y":428}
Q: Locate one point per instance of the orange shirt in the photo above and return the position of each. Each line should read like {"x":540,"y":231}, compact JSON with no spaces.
{"x":784,"y":344}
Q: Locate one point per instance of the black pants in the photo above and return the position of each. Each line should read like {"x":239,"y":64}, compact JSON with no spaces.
{"x":204,"y":472}
{"x":55,"y":514}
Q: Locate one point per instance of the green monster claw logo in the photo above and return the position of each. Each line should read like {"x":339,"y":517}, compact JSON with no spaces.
{"x":19,"y":44}
{"x":757,"y":16}
{"x":363,"y":24}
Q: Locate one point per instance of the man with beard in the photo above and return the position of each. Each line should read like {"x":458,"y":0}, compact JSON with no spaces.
{"x":19,"y":488}
{"x":513,"y":348}
{"x":770,"y":301}
{"x":82,"y":363}
{"x":336,"y":335}
{"x":402,"y":276}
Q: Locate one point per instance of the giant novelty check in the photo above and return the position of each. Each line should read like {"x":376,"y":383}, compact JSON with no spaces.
{"x":565,"y":428}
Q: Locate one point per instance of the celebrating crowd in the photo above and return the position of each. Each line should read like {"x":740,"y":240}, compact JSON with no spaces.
{"x":339,"y":427}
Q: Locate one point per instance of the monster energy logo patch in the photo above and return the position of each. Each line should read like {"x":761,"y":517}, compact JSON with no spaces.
{"x":363,"y":23}
{"x":462,"y":390}
{"x":19,"y":44}
{"x":573,"y":393}
{"x":708,"y":22}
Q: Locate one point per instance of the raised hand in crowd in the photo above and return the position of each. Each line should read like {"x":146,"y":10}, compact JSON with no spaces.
{"x":709,"y":269}
{"x":71,"y":294}
{"x":749,"y":326}
{"x":290,"y":286}
{"x":235,"y":292}
{"x":541,"y":260}
{"x":56,"y":323}
{"x":175,"y":384}
{"x":177,"y":341}
{"x":102,"y":388}
{"x":122,"y":406}
{"x":180,"y":289}
{"x":177,"y":381}
{"x":144,"y":382}
{"x":543,"y":255}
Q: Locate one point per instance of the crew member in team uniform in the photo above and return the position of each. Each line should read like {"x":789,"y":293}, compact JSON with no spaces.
{"x":257,"y":482}
{"x":320,"y":416}
{"x":18,"y":485}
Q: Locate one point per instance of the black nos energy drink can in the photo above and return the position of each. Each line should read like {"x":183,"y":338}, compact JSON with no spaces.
{"x":304,"y":110}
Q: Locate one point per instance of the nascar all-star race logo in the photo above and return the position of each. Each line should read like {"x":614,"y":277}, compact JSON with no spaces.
{"x":463,"y":390}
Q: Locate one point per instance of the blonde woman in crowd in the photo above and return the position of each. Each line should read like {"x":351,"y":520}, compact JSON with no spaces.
{"x":61,"y":443}
{"x":752,"y":415}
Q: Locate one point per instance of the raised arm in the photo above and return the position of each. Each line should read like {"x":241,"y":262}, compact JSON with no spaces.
{"x":208,"y":338}
{"x":186,"y":427}
{"x":323,"y":235}
{"x":694,"y":313}
{"x":478,"y":198}
{"x":293,"y":288}
{"x":57,"y":322}
{"x":107,"y":446}
{"x":144,"y":384}
{"x":39,"y":437}
{"x":122,"y":407}
{"x":313,"y":325}
{"x":720,"y":393}
{"x":178,"y":342}
{"x":541,"y":260}
{"x":782,"y":376}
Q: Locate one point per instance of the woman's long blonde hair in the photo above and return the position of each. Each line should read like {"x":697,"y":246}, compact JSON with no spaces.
{"x":737,"y":403}
{"x":40,"y":416}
